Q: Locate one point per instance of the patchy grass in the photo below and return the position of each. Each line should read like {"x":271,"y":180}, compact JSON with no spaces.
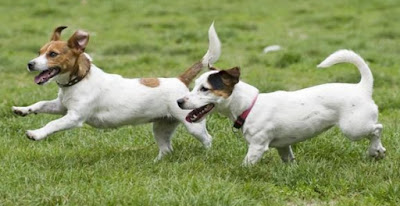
{"x":89,"y":166}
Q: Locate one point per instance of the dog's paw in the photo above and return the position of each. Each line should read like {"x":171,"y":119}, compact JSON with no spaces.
{"x":162,"y":154}
{"x":21,"y":111}
{"x":207,"y":144}
{"x":158,"y":158}
{"x":377,"y":153}
{"x":248,"y":162}
{"x":34,"y":135}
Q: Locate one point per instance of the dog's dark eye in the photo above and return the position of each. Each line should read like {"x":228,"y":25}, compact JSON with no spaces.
{"x":203,"y":89}
{"x":53,"y":54}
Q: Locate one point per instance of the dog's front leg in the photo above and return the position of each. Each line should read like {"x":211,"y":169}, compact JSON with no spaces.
{"x":50,"y":107}
{"x":70,"y":120}
{"x":199,"y":131}
{"x":254,"y":154}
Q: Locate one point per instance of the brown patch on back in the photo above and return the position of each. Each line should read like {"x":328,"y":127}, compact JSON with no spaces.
{"x":224,"y":81}
{"x":189,"y":74}
{"x":150,"y":82}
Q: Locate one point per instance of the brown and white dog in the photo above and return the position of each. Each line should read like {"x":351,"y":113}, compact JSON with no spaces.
{"x":280,"y":119}
{"x":89,"y":95}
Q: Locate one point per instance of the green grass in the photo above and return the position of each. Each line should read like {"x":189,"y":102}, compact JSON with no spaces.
{"x":89,"y":166}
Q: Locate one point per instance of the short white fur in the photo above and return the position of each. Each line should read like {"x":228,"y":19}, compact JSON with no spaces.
{"x":280,"y":119}
{"x":40,"y":63}
{"x":108,"y":100}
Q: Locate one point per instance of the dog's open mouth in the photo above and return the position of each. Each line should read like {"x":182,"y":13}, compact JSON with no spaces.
{"x":199,"y":113}
{"x":46,"y":75}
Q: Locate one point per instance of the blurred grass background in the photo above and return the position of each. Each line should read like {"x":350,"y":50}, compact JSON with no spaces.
{"x":89,"y":166}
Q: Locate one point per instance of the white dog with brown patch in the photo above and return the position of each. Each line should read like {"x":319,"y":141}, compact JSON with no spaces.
{"x":89,"y":95}
{"x":280,"y":119}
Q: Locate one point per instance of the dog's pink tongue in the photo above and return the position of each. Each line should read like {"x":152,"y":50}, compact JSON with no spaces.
{"x":37,"y":79}
{"x":42,"y":77}
{"x":188,"y":118}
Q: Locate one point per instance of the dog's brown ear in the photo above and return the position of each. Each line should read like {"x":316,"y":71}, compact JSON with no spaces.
{"x":83,"y":66}
{"x":79,"y":41}
{"x":57,"y":33}
{"x":234,"y":72}
{"x":211,"y":68}
{"x":230,"y":76}
{"x":225,"y":79}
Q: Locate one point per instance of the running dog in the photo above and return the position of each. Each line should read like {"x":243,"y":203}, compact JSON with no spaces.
{"x":89,"y":95}
{"x":280,"y":119}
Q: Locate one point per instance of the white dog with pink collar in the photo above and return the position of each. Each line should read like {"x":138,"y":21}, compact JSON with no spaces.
{"x":280,"y":119}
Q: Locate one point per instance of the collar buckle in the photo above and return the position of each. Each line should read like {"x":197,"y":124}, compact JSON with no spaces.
{"x":239,"y":122}
{"x":241,"y":119}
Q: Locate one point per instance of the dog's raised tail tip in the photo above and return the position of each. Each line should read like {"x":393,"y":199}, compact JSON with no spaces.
{"x":211,"y":30}
{"x":214,"y":47}
{"x":321,"y":65}
{"x":212,"y":25}
{"x":338,"y":56}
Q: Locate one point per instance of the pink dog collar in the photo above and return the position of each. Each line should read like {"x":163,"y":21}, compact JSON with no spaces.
{"x":242,"y":118}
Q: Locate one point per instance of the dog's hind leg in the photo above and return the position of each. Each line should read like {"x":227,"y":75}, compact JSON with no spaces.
{"x":286,"y":153}
{"x":49,"y":107}
{"x":163,"y":130}
{"x":359,"y":124}
{"x":376,"y":150}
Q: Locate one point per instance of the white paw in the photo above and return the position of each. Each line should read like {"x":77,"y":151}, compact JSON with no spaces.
{"x":21,"y":111}
{"x":157,"y":159}
{"x":35,"y":135}
{"x":207,"y":144}
{"x":247,"y":162}
{"x":161,"y":154}
{"x":377,"y":153}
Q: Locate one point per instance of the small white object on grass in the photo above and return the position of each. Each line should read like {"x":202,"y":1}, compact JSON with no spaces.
{"x":272,"y":48}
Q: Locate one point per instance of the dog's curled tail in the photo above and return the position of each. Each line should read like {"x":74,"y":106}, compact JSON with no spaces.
{"x":212,"y":55}
{"x":348,"y":56}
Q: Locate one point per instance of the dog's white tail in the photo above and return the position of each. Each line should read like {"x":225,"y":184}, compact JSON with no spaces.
{"x":347,"y":56}
{"x":214,"y":47}
{"x":212,"y":55}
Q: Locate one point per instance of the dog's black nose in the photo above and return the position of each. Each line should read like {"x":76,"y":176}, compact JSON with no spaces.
{"x":180,"y":102}
{"x":31,"y":66}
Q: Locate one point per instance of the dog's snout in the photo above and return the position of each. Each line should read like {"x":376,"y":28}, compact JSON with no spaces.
{"x":181,"y":102}
{"x":31,"y":65}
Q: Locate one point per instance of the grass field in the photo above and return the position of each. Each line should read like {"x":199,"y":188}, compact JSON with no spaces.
{"x":88,"y":166}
